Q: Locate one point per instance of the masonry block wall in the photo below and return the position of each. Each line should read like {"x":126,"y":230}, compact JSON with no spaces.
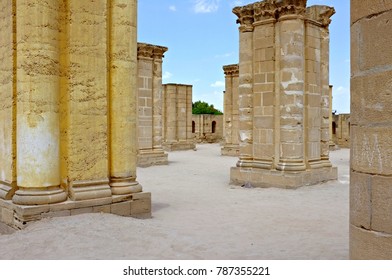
{"x":341,"y":130}
{"x":149,"y":107}
{"x":230,"y":107}
{"x":68,"y":109}
{"x":207,"y":128}
{"x":283,"y":94}
{"x":177,"y":117}
{"x":371,"y":130}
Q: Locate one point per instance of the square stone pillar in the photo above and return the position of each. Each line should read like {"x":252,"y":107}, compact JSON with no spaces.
{"x":69,"y":111}
{"x":283,"y":94}
{"x":150,"y":101}
{"x":177,"y":117}
{"x":230,"y":107}
{"x":371,"y":130}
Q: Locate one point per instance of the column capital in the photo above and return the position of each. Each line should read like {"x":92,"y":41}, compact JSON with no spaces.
{"x":150,"y":51}
{"x":231,"y":70}
{"x":290,"y":7}
{"x":264,"y":10}
{"x":320,"y":14}
{"x":245,"y":16}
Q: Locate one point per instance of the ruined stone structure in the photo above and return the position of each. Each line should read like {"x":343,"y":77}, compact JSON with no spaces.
{"x":207,"y":128}
{"x":177,"y":117}
{"x":283,"y":94}
{"x":149,"y":107}
{"x":68,"y":109}
{"x":371,"y":130}
{"x":341,"y":130}
{"x":230,"y":107}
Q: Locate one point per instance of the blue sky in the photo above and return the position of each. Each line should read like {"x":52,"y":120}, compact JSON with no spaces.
{"x":202,"y":36}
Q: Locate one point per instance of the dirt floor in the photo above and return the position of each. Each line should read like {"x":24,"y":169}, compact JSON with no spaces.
{"x":198,"y":215}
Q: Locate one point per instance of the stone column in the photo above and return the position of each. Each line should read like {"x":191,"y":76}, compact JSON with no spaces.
{"x":177,"y":117}
{"x":150,"y":103}
{"x":123,"y":103}
{"x":245,"y":87}
{"x":38,"y":91}
{"x":331,"y":142}
{"x":284,"y":89}
{"x":230,"y":107}
{"x":7,"y":97}
{"x":371,"y":130}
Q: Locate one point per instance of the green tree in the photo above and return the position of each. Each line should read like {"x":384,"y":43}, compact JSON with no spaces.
{"x":201,"y":107}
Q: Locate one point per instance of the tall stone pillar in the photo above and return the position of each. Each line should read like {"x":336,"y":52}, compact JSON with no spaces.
{"x":69,"y":110}
{"x":245,"y":85}
{"x":331,"y":142}
{"x":371,"y":130}
{"x":177,"y":117}
{"x":7,"y":97}
{"x":230,"y":104}
{"x":286,"y":94}
{"x":37,"y":113}
{"x":150,"y":101}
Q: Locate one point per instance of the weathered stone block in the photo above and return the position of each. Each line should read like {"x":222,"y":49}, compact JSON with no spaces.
{"x":381,"y":204}
{"x":361,"y":9}
{"x":121,"y":208}
{"x":360,"y":199}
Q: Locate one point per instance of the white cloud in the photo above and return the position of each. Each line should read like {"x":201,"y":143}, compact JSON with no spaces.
{"x":173,"y":8}
{"x":224,"y":55}
{"x":167,"y":75}
{"x":218,"y":84}
{"x":205,"y":6}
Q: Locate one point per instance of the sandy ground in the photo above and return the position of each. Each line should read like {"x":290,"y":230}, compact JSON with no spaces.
{"x":198,"y":215}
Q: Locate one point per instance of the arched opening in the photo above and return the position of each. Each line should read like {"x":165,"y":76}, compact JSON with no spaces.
{"x":193,"y":127}
{"x":213,"y":126}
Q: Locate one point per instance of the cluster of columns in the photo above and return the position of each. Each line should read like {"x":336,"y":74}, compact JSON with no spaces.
{"x":230,"y":108}
{"x":283,"y":94}
{"x":68,"y":120}
{"x":149,"y":107}
{"x":177,"y":117}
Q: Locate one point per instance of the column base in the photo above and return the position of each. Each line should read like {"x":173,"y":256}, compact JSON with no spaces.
{"x":39,"y":196}
{"x":151,"y":157}
{"x":7,"y":189}
{"x":123,"y":186}
{"x":179,"y":146}
{"x":281,"y":179}
{"x":82,"y":190}
{"x":230,"y":150}
{"x":137,"y":205}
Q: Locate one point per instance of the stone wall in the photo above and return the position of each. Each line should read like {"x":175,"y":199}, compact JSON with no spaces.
{"x":341,"y":130}
{"x":207,"y":128}
{"x":149,"y":105}
{"x":371,"y":130}
{"x":177,"y":117}
{"x":283,"y":94}
{"x":230,"y":107}
{"x":68,"y":120}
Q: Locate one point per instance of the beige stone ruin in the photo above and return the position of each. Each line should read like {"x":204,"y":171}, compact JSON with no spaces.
{"x":149,"y":107}
{"x":177,"y":117}
{"x":283,"y":94}
{"x":341,"y":130}
{"x":230,"y":107}
{"x":371,"y":130}
{"x":68,"y":110}
{"x":207,"y":128}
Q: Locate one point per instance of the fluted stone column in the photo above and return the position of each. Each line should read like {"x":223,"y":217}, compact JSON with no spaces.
{"x":230,"y":108}
{"x":283,"y":81}
{"x":150,"y":102}
{"x":371,"y":130}
{"x":7,"y":97}
{"x":38,"y":121}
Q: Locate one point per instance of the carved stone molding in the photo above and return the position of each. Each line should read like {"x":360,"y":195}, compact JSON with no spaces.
{"x":150,"y":51}
{"x":290,"y":7}
{"x":264,"y":10}
{"x":231,"y":70}
{"x":245,"y":16}
{"x":320,"y":14}
{"x":159,"y":51}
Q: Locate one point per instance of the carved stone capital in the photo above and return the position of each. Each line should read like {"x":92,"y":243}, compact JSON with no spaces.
{"x":145,"y":50}
{"x":159,"y":51}
{"x":231,"y":70}
{"x":320,"y":14}
{"x":290,"y":7}
{"x":264,"y":10}
{"x":245,"y":16}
